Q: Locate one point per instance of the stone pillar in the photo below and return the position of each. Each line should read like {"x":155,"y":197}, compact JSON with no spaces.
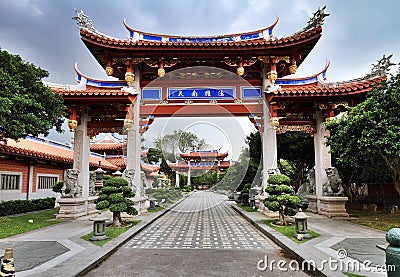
{"x":133,"y":151}
{"x":82,"y":155}
{"x":322,"y":156}
{"x":177,"y":179}
{"x":188,"y":177}
{"x":30,"y":183}
{"x":268,"y":136}
{"x":136,"y":127}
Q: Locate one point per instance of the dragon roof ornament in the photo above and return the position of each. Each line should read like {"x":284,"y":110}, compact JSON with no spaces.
{"x":382,"y":66}
{"x":317,"y":20}
{"x":83,"y":21}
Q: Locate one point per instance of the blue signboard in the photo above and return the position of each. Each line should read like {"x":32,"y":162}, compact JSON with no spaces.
{"x":201,"y":93}
{"x":151,"y":93}
{"x":251,"y":92}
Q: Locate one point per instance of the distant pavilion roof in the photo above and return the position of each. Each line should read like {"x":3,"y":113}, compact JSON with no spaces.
{"x":46,"y":150}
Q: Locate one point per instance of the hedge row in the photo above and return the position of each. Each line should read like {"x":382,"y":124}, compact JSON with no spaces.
{"x":23,"y":206}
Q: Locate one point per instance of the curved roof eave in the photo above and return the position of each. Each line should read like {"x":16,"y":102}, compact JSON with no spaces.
{"x":303,"y":80}
{"x":215,"y":37}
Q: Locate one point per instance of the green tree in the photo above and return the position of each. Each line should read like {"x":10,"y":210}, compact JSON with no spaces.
{"x":371,"y":131}
{"x":178,"y":142}
{"x":115,"y":196}
{"x":154,"y":155}
{"x":281,"y":197}
{"x":27,"y":106}
{"x":235,"y":175}
{"x":247,"y":170}
{"x":297,"y":151}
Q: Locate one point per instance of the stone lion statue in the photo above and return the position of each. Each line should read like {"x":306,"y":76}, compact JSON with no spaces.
{"x":311,"y":181}
{"x":92,"y":182}
{"x":334,"y":185}
{"x":273,"y":171}
{"x":128,"y":175}
{"x":70,"y":187}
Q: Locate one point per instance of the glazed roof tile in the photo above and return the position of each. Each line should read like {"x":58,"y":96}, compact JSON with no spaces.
{"x":325,"y":89}
{"x":48,"y":151}
{"x":106,"y":146}
{"x":117,"y":161}
{"x":106,"y":40}
{"x":150,"y":167}
{"x":90,"y":91}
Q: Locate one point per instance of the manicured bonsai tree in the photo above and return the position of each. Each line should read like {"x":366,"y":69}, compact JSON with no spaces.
{"x":281,"y":196}
{"x":57,"y":186}
{"x":244,"y":195}
{"x":115,"y":196}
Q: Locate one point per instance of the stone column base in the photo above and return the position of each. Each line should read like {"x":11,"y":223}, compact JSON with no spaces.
{"x":312,"y":203}
{"x":91,"y":206}
{"x":140,"y":204}
{"x":72,"y":208}
{"x":333,"y":206}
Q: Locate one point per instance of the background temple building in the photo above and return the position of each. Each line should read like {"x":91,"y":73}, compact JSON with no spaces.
{"x":31,"y":166}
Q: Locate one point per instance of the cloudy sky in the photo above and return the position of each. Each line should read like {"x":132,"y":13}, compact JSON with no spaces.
{"x":355,"y":35}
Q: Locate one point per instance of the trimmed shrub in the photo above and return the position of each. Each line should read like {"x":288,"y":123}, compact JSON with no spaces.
{"x":23,"y":206}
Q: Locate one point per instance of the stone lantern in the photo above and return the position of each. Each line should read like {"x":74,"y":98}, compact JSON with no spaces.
{"x":300,"y":221}
{"x":99,"y":227}
{"x":152,"y":203}
{"x":99,"y":177}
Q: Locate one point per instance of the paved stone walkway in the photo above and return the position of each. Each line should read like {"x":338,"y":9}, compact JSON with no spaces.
{"x":201,"y":236}
{"x":203,"y":221}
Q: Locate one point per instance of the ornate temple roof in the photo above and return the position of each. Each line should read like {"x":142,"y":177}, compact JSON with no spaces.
{"x":330,"y":89}
{"x":204,"y":154}
{"x":223,"y":51}
{"x":143,"y":36}
{"x":117,"y":160}
{"x":93,"y":39}
{"x":46,"y":150}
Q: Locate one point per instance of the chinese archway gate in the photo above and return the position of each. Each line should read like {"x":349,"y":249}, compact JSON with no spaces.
{"x":238,"y":74}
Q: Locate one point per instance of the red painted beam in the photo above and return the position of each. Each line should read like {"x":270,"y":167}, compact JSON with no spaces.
{"x":200,"y":110}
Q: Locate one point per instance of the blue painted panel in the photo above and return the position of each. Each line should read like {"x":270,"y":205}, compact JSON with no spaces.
{"x":106,"y":85}
{"x":296,"y":82}
{"x":131,"y":34}
{"x":151,"y":93}
{"x":201,"y":93}
{"x":251,"y":92}
{"x":250,"y":36}
{"x":152,"y":38}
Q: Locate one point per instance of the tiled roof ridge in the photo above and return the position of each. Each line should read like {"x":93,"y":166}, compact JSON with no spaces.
{"x":45,"y":155}
{"x":201,"y":36}
{"x":90,"y":35}
{"x":51,"y":142}
{"x":366,"y":78}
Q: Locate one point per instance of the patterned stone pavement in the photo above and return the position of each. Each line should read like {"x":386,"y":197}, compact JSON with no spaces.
{"x":202,"y":221}
{"x":201,"y":236}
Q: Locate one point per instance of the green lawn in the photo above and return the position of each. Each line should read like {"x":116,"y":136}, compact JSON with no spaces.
{"x":156,"y":209}
{"x":247,"y":209}
{"x":289,"y":231}
{"x":111,"y":232}
{"x":10,"y":226}
{"x":377,"y":220}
